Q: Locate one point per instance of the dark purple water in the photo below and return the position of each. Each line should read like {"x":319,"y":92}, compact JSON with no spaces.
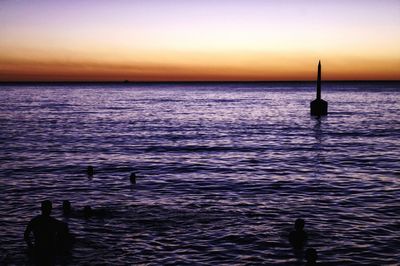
{"x":224,"y":170}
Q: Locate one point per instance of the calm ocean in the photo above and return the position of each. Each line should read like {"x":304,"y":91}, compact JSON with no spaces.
{"x":223,"y":171}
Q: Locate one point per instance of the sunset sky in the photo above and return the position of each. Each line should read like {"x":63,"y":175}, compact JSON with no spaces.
{"x":169,"y":40}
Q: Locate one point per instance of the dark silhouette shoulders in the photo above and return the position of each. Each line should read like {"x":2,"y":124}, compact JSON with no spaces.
{"x":44,"y":228}
{"x":45,"y":231}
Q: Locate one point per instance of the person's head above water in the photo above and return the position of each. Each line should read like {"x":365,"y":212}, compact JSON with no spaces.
{"x":66,"y":206}
{"x":133,"y":178}
{"x":87,"y":211}
{"x":299,"y":224}
{"x":298,"y":236}
{"x":311,"y":256}
{"x":46,"y":207}
{"x":90,"y":170}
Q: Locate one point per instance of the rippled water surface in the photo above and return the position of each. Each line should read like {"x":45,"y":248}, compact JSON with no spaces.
{"x":223,"y":171}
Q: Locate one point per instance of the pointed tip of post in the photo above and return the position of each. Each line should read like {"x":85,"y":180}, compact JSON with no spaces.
{"x":319,"y":62}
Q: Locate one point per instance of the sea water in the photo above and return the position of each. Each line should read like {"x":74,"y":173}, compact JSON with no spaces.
{"x":223,"y":170}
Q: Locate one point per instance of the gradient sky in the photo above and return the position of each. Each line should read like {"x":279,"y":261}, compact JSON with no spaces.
{"x":44,"y":40}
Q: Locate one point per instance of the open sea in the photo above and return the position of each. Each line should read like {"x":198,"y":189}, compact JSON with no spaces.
{"x":223,"y":171}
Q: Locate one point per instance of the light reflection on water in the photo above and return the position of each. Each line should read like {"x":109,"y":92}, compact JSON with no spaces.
{"x":224,"y":170}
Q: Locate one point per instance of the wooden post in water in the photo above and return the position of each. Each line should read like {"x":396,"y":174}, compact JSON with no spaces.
{"x":319,"y":107}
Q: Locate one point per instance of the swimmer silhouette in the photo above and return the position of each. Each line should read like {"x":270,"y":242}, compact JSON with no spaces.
{"x":68,"y":211}
{"x":98,"y":213}
{"x":298,"y":237}
{"x":311,"y":257}
{"x":45,"y":229}
{"x":66,"y":207}
{"x":87,"y":211}
{"x":133,"y":178}
{"x":90,"y":171}
{"x":65,"y":239}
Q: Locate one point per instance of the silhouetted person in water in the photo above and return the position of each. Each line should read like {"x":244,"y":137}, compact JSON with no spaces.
{"x":90,"y":171}
{"x":87,"y":211}
{"x":66,"y":207}
{"x":64,"y":240}
{"x":45,"y":230}
{"x":298,"y":237}
{"x":133,"y":178}
{"x":311,"y":257}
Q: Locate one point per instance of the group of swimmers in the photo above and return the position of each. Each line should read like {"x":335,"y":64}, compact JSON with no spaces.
{"x":52,"y":237}
{"x":298,"y":237}
{"x":87,"y":211}
{"x":90,"y":173}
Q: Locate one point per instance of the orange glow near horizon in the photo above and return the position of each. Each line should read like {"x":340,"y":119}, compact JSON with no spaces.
{"x":176,"y":40}
{"x":207,"y":68}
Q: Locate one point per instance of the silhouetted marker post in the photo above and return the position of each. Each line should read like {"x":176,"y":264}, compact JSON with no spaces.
{"x":319,"y":107}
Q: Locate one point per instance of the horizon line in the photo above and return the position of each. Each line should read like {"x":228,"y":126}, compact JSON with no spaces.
{"x":187,"y":81}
